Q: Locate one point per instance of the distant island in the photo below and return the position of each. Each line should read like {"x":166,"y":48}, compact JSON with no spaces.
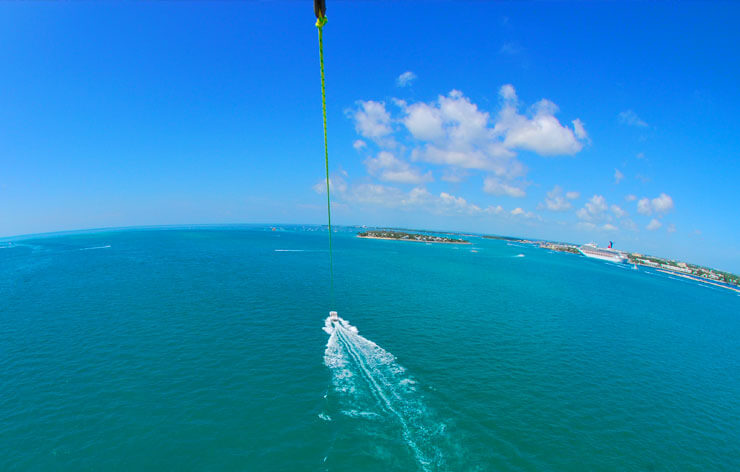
{"x":401,"y":236}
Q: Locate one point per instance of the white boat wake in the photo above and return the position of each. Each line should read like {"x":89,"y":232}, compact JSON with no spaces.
{"x":371,"y":385}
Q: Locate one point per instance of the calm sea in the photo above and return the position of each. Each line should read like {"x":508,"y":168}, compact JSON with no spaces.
{"x":196,"y":349}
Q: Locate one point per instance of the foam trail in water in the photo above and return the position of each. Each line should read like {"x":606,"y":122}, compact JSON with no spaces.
{"x":95,"y":247}
{"x":368,"y":378}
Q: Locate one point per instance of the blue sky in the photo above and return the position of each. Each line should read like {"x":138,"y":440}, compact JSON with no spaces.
{"x":568,"y":121}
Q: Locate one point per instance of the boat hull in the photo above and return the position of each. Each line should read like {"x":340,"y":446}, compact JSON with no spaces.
{"x":616,"y":258}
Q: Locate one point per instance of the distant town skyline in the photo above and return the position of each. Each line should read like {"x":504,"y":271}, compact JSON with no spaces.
{"x":571,"y":122}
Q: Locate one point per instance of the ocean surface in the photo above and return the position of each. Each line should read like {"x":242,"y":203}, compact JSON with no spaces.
{"x":208,"y":349}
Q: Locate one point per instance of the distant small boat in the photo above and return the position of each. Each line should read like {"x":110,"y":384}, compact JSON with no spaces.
{"x":634,"y":266}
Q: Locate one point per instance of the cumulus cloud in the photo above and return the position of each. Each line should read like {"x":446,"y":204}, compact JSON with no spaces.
{"x":495,"y":186}
{"x":663,"y":203}
{"x":593,"y":209}
{"x":630,"y":118}
{"x":336,"y":184}
{"x":389,"y":168}
{"x":416,"y":199}
{"x":455,"y":202}
{"x":671,"y":228}
{"x":617,"y":210}
{"x":494,"y":210}
{"x":372,"y":120}
{"x":424,"y":122}
{"x":618,"y":176}
{"x":538,"y":130}
{"x":630,"y":198}
{"x":653,"y":225}
{"x":609,"y":227}
{"x":579,"y":129}
{"x":643,"y":206}
{"x":508,"y":93}
{"x":405,"y":79}
{"x":454,"y":175}
{"x":556,"y":201}
{"x":521,"y":213}
{"x":453,"y":131}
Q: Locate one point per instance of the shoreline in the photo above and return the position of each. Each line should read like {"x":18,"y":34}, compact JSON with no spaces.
{"x":698,"y":279}
{"x":415,"y":240}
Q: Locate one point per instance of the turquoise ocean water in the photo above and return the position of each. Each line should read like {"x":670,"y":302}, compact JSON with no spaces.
{"x":198,"y":349}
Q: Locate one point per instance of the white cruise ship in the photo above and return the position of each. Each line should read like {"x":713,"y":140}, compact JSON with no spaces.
{"x":604,"y":253}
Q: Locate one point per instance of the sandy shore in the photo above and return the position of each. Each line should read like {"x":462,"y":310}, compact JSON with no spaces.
{"x":416,"y":240}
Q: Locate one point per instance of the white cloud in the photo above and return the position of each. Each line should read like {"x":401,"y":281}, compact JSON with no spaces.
{"x":375,"y":194}
{"x":579,"y":129}
{"x":452,"y":200}
{"x":508,"y":92}
{"x":521,"y":213}
{"x":389,"y":168}
{"x":417,"y":196}
{"x":596,"y":205}
{"x":424,"y":122}
{"x":609,"y":227}
{"x":663,"y":203}
{"x":671,"y":228}
{"x":405,"y":79}
{"x":628,"y":224}
{"x":555,"y":201}
{"x":497,"y":210}
{"x":617,"y":210}
{"x":630,"y":198}
{"x":495,"y":186}
{"x":454,"y":175}
{"x":372,"y":120}
{"x":538,"y":131}
{"x":494,"y":159}
{"x":453,"y":131}
{"x":618,"y":176}
{"x":640,"y":155}
{"x":653,"y":225}
{"x":416,"y":199}
{"x":337,"y":184}
{"x":643,"y":206}
{"x":630,"y":118}
{"x":594,"y":209}
{"x":451,"y":204}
